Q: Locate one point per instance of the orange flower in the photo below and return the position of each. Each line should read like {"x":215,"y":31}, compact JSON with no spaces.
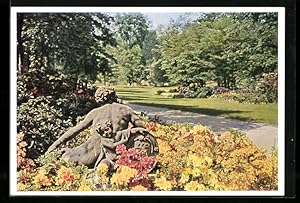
{"x":65,"y":175}
{"x":42,"y":179}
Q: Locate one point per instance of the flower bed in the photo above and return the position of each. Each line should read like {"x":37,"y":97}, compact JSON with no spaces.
{"x":191,"y":158}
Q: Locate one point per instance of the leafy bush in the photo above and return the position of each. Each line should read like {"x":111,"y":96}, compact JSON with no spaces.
{"x":266,"y":91}
{"x":49,"y":103}
{"x":23,"y":162}
{"x":42,"y":122}
{"x":267,"y":88}
{"x":204,"y":92}
{"x":221,"y":90}
{"x":193,"y":92}
{"x":41,"y":81}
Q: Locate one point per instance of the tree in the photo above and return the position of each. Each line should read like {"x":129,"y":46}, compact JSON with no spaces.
{"x":131,"y":28}
{"x":228,"y":48}
{"x":72,"y":42}
{"x":128,"y":65}
{"x":133,"y":52}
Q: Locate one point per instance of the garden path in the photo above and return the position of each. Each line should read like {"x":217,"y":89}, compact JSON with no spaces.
{"x":262,"y":135}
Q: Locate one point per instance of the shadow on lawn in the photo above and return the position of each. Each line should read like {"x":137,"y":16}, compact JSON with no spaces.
{"x":207,"y":111}
{"x":218,"y":120}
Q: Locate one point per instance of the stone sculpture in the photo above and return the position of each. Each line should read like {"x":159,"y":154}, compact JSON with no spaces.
{"x":110,"y":127}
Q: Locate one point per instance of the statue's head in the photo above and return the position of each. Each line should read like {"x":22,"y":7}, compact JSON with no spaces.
{"x":105,"y":129}
{"x":105,"y":95}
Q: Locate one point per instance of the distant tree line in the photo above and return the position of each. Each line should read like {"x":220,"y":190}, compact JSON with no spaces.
{"x":232,"y":49}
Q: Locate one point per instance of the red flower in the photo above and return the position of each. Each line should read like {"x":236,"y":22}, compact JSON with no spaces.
{"x":120,"y":149}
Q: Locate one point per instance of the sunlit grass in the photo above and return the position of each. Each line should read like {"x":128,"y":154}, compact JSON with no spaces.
{"x":144,"y":95}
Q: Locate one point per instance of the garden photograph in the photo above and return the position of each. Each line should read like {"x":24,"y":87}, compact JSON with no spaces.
{"x":146,"y":101}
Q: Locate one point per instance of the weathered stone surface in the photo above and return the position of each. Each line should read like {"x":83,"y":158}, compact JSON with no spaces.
{"x":110,"y":124}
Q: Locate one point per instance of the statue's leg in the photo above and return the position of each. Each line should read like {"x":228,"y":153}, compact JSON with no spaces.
{"x":84,"y":154}
{"x":100,"y":157}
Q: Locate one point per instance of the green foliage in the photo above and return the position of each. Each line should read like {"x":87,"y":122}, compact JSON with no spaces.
{"x":195,"y":91}
{"x":48,"y":104}
{"x":204,"y":92}
{"x":266,"y":92}
{"x":74,"y":42}
{"x":42,"y":122}
{"x":232,"y":49}
{"x":129,"y":64}
{"x":268,"y":87}
{"x":133,"y":50}
{"x":132,"y":29}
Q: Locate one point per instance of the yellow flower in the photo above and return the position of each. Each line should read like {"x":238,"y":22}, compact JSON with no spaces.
{"x":194,"y":160}
{"x":123,"y":175}
{"x":163,"y":183}
{"x":102,"y":169}
{"x":84,"y":187}
{"x":199,"y":129}
{"x":139,"y":188}
{"x":196,"y":172}
{"x":184,"y":178}
{"x":164,"y":147}
{"x":199,"y":162}
{"x":187,"y":171}
{"x":194,"y":186}
{"x":42,"y":179}
{"x":21,"y":186}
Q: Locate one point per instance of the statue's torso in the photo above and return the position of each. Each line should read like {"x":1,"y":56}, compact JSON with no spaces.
{"x":118,"y":114}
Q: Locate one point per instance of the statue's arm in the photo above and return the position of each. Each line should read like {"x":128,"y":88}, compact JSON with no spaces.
{"x":135,"y":120}
{"x":120,"y":138}
{"x":73,"y":131}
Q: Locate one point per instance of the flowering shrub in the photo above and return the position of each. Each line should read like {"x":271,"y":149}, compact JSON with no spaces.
{"x":22,"y":161}
{"x":135,"y":158}
{"x":266,"y":91}
{"x":53,"y":174}
{"x":49,"y":102}
{"x":195,"y":91}
{"x":191,"y":158}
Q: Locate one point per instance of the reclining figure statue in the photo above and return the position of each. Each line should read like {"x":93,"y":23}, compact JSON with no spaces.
{"x":110,"y":127}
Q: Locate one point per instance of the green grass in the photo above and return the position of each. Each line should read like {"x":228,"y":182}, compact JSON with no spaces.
{"x":264,"y":113}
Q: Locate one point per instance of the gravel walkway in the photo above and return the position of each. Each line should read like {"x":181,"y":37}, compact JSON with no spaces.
{"x":262,"y":135}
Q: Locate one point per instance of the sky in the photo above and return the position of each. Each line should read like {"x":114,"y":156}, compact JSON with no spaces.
{"x":165,"y":18}
{"x":157,"y":19}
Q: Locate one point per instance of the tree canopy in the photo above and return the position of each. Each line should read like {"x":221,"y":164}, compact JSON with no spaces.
{"x":232,"y":49}
{"x":72,"y":42}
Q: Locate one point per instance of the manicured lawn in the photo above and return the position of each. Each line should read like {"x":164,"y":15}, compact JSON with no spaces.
{"x":264,"y":113}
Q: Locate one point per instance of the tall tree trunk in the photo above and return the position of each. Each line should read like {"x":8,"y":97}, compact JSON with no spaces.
{"x":20,"y":48}
{"x":104,"y":79}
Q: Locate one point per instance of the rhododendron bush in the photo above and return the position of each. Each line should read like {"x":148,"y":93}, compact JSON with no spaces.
{"x":191,"y":158}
